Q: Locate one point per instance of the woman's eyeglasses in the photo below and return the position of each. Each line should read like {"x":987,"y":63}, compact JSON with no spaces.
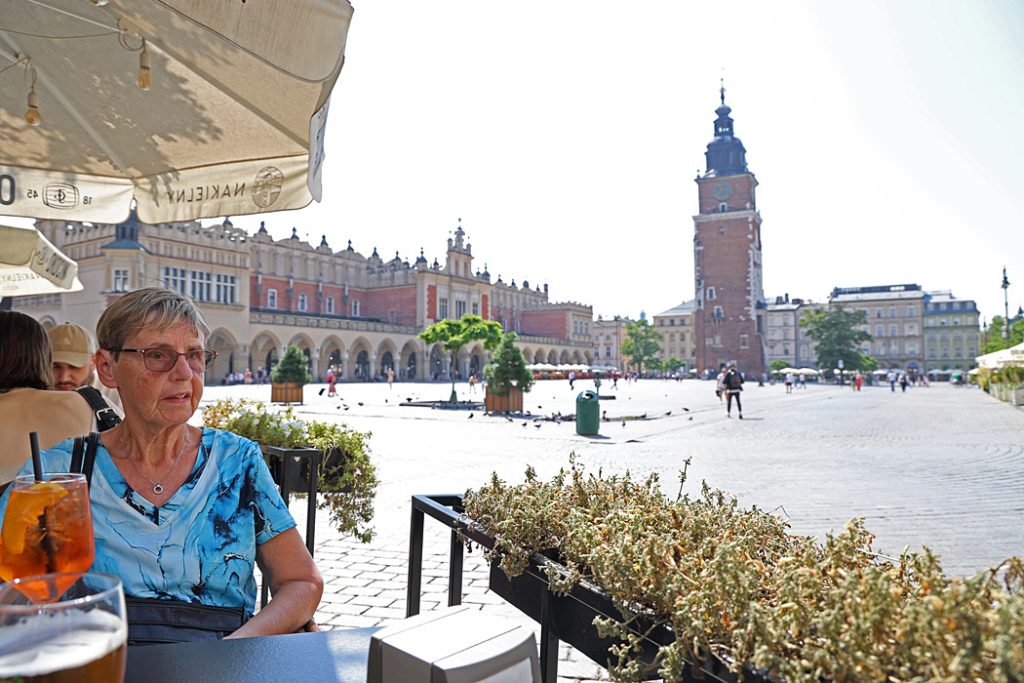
{"x":163,"y":359}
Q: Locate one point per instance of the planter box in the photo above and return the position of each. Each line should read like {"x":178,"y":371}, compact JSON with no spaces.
{"x":286,"y":392}
{"x":572,"y":621}
{"x":290,"y":467}
{"x":568,"y":618}
{"x":511,"y":402}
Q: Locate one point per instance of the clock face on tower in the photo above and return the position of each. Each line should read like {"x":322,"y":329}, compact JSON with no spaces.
{"x":723,"y":190}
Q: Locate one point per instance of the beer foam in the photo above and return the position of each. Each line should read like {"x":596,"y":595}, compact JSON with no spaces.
{"x":42,"y":644}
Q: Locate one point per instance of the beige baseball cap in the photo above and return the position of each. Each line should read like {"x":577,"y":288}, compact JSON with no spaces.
{"x":71,"y":344}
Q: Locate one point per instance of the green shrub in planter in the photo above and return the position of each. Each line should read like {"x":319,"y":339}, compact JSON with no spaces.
{"x":293,"y":367}
{"x":732,"y":583}
{"x":348,"y":483}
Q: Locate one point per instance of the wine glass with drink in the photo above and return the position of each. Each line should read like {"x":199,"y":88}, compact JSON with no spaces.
{"x":47,"y":529}
{"x":74,"y":633}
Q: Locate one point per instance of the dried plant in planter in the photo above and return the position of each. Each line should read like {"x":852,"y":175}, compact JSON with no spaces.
{"x":733,"y":583}
{"x":348,"y":484}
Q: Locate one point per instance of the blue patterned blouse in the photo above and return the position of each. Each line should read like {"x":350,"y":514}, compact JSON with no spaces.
{"x":199,"y":546}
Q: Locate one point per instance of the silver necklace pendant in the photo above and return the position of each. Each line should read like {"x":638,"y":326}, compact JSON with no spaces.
{"x":158,"y":489}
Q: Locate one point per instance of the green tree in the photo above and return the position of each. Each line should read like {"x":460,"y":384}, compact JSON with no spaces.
{"x":778,"y":364}
{"x":641,"y":343}
{"x":452,"y":335}
{"x":838,"y":337}
{"x":293,"y":367}
{"x":508,"y":367}
{"x":993,"y":338}
{"x":670,"y":365}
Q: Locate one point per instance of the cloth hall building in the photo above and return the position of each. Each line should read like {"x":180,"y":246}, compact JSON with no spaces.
{"x":259,"y":295}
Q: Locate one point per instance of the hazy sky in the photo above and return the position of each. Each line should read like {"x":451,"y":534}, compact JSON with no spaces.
{"x":886,"y":137}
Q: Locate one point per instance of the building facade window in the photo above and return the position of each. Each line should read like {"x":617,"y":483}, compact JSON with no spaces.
{"x":271,"y":298}
{"x":225,"y":290}
{"x":121,"y":283}
{"x":476,"y":308}
{"x":200,"y":288}
{"x":174,"y":278}
{"x":302,"y":302}
{"x":355,"y":309}
{"x":442,"y":308}
{"x":330,"y":305}
{"x":460,"y":308}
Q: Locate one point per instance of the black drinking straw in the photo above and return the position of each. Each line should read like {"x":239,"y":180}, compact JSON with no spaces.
{"x":37,"y":463}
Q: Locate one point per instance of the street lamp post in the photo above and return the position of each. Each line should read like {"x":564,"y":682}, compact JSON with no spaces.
{"x":1006,"y":308}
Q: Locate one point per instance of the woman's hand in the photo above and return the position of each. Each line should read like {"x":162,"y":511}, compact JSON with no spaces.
{"x":295,"y":587}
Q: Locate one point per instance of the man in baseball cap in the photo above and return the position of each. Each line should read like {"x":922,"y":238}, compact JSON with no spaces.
{"x":72,"y":357}
{"x":73,"y":370}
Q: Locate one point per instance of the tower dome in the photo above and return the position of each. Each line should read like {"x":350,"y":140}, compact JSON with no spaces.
{"x":726,"y":154}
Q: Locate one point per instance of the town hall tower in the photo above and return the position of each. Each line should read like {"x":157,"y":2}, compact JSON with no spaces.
{"x":729,"y":315}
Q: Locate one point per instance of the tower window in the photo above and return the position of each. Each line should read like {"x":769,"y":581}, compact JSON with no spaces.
{"x":718,"y":313}
{"x":711,"y":293}
{"x":723,"y":207}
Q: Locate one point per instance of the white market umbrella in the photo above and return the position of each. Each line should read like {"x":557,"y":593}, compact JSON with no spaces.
{"x":232,"y":121}
{"x":30,"y":265}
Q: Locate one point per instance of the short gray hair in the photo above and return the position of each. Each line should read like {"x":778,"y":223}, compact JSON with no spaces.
{"x":157,"y":307}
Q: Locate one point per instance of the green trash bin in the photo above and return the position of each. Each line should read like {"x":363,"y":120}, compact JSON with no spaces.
{"x":588,"y":413}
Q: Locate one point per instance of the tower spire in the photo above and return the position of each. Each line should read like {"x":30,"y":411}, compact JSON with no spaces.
{"x":721,"y":90}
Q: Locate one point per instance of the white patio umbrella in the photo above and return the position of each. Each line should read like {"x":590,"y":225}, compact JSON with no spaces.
{"x":29,"y":265}
{"x":192,"y":109}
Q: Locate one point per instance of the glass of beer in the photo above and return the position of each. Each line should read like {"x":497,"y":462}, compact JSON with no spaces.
{"x":47,"y":528}
{"x":77,"y":633}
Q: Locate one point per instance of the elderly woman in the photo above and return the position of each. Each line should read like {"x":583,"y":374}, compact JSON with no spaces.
{"x":179,"y":512}
{"x":25,"y":404}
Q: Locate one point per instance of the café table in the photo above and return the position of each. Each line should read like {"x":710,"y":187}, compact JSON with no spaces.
{"x":334,"y":656}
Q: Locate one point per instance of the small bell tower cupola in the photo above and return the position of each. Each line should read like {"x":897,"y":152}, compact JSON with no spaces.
{"x":725,"y":155}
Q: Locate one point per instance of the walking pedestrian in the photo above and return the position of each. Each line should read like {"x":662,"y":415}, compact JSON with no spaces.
{"x":331,"y":382}
{"x":572,"y":379}
{"x":789,"y":382}
{"x":891,"y":377}
{"x":391,"y":377}
{"x":733,"y":386}
{"x":720,"y":385}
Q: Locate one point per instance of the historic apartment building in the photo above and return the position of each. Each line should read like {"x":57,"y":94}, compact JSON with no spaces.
{"x":952,"y":338}
{"x":895,"y":321}
{"x":341,"y":308}
{"x":678,"y":337}
{"x":729,"y":299}
{"x":608,"y":338}
{"x":785,"y":338}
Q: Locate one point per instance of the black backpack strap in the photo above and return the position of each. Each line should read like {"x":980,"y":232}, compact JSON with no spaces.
{"x":106,"y":418}
{"x":77,"y":451}
{"x":92,"y":444}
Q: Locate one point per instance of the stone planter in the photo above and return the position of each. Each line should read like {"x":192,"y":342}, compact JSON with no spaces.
{"x":509,"y":402}
{"x":286,"y":392}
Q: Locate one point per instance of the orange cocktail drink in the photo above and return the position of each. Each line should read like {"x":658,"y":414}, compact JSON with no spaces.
{"x":47,"y":528}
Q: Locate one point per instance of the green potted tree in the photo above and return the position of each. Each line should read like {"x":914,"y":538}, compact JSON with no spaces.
{"x":290,"y":376}
{"x":452,"y":335}
{"x":348,"y":478}
{"x":507,"y":378}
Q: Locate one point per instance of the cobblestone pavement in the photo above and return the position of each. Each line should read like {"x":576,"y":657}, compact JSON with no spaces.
{"x":938,"y":466}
